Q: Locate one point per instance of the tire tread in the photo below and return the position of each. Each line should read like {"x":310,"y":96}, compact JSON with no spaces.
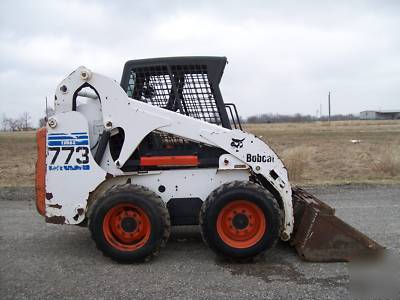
{"x":139,"y":191}
{"x":213,"y":197}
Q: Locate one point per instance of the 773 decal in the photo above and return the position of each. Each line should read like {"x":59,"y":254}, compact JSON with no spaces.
{"x":68,"y":152}
{"x":82,"y":159}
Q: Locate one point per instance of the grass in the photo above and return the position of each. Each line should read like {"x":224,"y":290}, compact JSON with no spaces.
{"x":296,"y":161}
{"x":314,"y":153}
{"x":17,"y":158}
{"x":387,"y":163}
{"x":322,"y":153}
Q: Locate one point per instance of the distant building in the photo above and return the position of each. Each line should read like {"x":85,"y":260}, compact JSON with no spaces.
{"x":380,"y":115}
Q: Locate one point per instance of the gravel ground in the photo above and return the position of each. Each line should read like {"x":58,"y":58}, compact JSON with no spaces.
{"x":40,"y":260}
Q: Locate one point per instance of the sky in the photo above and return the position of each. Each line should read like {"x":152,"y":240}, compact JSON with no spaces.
{"x":284,"y":56}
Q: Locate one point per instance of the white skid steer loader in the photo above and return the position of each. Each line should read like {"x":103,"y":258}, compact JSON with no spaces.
{"x":163,"y":149}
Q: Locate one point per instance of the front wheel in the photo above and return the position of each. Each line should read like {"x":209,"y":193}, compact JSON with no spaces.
{"x":240,"y":220}
{"x":129,"y":223}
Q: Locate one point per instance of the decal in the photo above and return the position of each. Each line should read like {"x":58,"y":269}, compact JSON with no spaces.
{"x":236,"y":143}
{"x":69,"y":168}
{"x":259,"y":158}
{"x":68,"y":151}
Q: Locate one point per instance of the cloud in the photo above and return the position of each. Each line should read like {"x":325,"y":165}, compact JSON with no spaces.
{"x":284,"y":57}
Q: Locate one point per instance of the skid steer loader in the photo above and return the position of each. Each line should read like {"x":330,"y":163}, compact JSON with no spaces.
{"x":131,"y":160}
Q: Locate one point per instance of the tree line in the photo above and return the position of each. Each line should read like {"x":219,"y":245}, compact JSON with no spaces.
{"x":24,"y":121}
{"x":278,"y":118}
{"x":21,"y":123}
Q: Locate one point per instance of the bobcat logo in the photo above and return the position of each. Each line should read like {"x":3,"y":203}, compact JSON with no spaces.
{"x":236,"y":143}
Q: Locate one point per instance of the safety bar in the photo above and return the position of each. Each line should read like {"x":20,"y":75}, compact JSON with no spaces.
{"x":229,"y":106}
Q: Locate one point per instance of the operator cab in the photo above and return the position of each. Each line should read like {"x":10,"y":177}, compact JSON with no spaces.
{"x":185,"y":85}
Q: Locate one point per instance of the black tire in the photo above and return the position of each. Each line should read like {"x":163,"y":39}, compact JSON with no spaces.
{"x":147,"y":208}
{"x":227,"y":196}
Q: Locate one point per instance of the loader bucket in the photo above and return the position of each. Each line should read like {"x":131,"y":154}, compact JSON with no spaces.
{"x":320,"y":236}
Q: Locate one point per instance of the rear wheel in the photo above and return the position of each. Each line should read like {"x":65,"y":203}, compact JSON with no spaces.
{"x":240,"y":220}
{"x":129,"y":223}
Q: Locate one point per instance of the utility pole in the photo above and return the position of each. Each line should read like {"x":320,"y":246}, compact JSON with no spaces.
{"x":47,"y":117}
{"x":320,"y":110}
{"x":329,"y":106}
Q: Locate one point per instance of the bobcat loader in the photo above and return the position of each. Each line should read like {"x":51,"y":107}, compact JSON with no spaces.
{"x":161,"y":149}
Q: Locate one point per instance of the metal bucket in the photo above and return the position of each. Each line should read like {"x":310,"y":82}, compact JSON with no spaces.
{"x":322,"y":237}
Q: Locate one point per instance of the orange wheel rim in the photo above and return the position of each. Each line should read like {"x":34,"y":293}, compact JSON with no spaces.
{"x":126,"y":227}
{"x":241,"y":224}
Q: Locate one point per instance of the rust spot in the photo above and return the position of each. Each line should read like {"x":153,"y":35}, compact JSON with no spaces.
{"x":55,"y":205}
{"x":55,"y":219}
{"x":49,"y":196}
{"x":109,"y":176}
{"x":80,"y":212}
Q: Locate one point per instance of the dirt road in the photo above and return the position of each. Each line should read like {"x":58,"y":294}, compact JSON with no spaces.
{"x":40,"y":260}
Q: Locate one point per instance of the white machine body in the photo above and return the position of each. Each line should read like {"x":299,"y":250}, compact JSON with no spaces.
{"x":73,"y":178}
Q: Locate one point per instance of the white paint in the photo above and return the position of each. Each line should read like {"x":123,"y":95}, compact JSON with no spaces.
{"x":139,"y":119}
{"x":188,"y":183}
{"x":70,"y":189}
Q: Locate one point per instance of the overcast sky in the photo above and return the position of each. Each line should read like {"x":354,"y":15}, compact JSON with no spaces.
{"x":284,"y":56}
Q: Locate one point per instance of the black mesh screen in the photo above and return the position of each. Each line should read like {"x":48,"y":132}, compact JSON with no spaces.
{"x":182,"y":88}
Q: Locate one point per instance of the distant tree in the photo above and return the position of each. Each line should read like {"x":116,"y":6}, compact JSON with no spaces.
{"x":340,"y":117}
{"x":14,"y":124}
{"x":43,"y":121}
{"x":4,"y":122}
{"x":24,"y":121}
